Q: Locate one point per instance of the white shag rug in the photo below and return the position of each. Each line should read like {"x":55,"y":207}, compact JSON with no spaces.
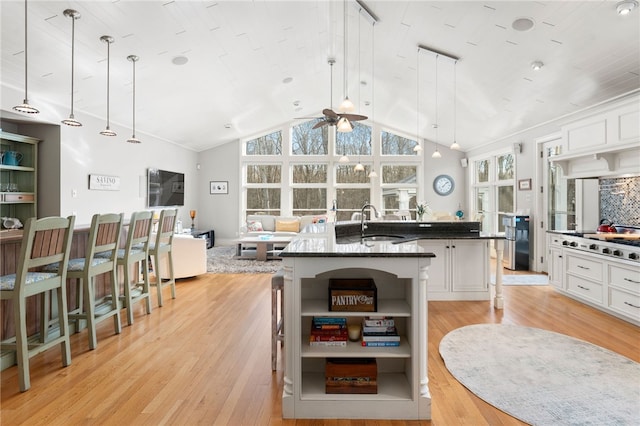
{"x":542,"y":377}
{"x":223,"y":260}
{"x":532,"y":279}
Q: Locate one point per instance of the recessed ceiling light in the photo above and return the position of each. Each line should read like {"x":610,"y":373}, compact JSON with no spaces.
{"x":296,"y":103}
{"x":522,"y":24}
{"x":626,"y":6}
{"x":180,"y":60}
{"x":536,"y":65}
{"x":287,"y":80}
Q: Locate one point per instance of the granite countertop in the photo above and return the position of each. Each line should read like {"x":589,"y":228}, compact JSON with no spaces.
{"x":386,"y":239}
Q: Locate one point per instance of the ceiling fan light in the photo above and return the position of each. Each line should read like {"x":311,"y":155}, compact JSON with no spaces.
{"x":346,"y":105}
{"x":359,"y":167}
{"x":626,"y":6}
{"x":26,"y":108}
{"x":455,"y":146}
{"x":344,"y":125}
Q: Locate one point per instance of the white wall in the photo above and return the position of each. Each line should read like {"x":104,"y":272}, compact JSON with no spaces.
{"x":68,"y":155}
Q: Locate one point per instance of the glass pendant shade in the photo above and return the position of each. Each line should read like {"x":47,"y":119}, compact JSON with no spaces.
{"x":373,"y":174}
{"x":346,"y":105}
{"x":359,"y":167}
{"x":455,"y":146}
{"x":418,"y":148}
{"x":134,"y":59}
{"x":24,"y":106}
{"x":343,"y":159}
{"x":107,"y":39}
{"x":436,"y":154}
{"x":73,"y":14}
{"x":344,"y":125}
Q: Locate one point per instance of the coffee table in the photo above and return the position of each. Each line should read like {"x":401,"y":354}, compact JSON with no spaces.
{"x":263,"y":245}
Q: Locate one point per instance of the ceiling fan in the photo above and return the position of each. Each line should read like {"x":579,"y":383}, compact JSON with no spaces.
{"x":332,"y":118}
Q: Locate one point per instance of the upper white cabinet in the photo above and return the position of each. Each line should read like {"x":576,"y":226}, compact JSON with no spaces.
{"x":603,"y":144}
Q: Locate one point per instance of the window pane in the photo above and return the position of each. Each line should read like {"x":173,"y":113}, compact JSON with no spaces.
{"x":309,"y":173}
{"x":261,"y":173}
{"x":266,"y":145}
{"x":484,"y":207}
{"x":357,"y":142}
{"x":399,"y":199}
{"x":397,"y":145}
{"x":505,"y":167}
{"x":309,"y":201}
{"x":305,"y":140}
{"x":347,"y":174}
{"x":265,"y":200}
{"x":399,"y":174}
{"x":482,"y":171}
{"x":505,"y":199}
{"x":351,"y":201}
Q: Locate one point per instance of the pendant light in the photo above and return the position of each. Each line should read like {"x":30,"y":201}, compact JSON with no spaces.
{"x":25,"y":107}
{"x":346,"y":105}
{"x":73,"y":14}
{"x":372,"y":173}
{"x":359,"y":167}
{"x":134,"y":59}
{"x":107,"y":39}
{"x":418,"y":147}
{"x":455,"y":144}
{"x":436,"y":153}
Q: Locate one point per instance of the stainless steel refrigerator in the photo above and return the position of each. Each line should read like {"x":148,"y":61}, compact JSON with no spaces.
{"x":516,"y":247}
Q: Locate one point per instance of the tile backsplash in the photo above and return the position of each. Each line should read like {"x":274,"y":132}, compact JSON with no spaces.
{"x":620,"y":200}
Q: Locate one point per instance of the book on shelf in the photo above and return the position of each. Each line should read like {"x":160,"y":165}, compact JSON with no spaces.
{"x":382,"y":338}
{"x":380,"y":344}
{"x":378,"y":321}
{"x":378,"y":329}
{"x":328,"y":343}
{"x":330,"y":321}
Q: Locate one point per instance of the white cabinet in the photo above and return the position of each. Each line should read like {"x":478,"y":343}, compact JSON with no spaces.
{"x":556,"y":266}
{"x":624,"y":290}
{"x":584,"y":276}
{"x":18,"y":170}
{"x":402,"y":371}
{"x":460,"y":270}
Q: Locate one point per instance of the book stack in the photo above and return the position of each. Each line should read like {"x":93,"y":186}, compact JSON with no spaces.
{"x":328,"y":331}
{"x":379,"y":332}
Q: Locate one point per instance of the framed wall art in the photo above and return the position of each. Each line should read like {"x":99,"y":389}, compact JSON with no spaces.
{"x":524,"y":184}
{"x":219,"y":187}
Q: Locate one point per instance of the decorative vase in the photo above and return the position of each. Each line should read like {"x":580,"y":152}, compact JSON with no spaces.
{"x":419,"y":217}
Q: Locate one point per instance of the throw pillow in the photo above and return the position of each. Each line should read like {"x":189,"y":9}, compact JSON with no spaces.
{"x":254,"y":225}
{"x":288,"y":225}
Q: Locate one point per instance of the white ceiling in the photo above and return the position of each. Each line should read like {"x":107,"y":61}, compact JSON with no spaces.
{"x":239,"y":53}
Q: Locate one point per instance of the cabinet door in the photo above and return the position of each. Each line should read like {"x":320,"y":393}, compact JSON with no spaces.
{"x":469,"y":265}
{"x":555,"y":268}
{"x":439,"y":271}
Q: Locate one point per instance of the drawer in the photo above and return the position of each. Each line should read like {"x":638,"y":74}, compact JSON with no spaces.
{"x":625,"y":303}
{"x":584,"y":267}
{"x":18,"y":197}
{"x":586,"y":289}
{"x":625,"y":278}
{"x":555,"y":241}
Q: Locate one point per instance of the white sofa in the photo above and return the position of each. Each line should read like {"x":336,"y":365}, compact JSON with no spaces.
{"x":278,"y":226}
{"x":189,"y":257}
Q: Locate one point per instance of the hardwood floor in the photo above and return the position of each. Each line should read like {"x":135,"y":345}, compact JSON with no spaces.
{"x":204,"y":358}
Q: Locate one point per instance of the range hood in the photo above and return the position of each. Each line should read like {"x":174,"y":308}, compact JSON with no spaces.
{"x":620,"y":160}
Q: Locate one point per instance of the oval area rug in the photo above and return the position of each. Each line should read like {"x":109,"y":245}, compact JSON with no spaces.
{"x":542,"y":377}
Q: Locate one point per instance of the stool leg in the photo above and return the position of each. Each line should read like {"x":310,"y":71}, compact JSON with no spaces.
{"x":274,"y":328}
{"x":22,"y":351}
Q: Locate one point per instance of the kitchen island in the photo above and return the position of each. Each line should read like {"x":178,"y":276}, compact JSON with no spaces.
{"x":397,"y":261}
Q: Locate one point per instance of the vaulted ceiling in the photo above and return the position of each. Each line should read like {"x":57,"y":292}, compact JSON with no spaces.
{"x":254,"y":65}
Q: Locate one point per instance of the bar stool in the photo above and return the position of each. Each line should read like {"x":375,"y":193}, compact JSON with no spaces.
{"x":44,"y":241}
{"x":162,"y":247}
{"x":136,"y":250}
{"x":277,"y":318}
{"x":104,"y":238}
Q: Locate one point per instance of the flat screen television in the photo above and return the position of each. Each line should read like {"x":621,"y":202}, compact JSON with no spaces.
{"x":165,"y":188}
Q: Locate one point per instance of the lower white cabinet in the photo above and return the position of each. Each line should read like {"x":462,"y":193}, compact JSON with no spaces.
{"x":460,"y":270}
{"x":584,"y":276}
{"x":623,"y":294}
{"x":555,"y":261}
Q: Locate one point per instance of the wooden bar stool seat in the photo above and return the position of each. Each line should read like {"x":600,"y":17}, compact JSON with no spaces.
{"x":161,"y":246}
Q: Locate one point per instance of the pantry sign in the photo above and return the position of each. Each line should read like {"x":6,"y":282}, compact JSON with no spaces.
{"x":104,"y":183}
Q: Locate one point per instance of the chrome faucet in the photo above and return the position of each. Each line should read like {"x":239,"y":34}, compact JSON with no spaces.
{"x":363,"y":224}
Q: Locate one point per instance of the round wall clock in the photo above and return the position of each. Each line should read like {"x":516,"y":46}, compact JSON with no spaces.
{"x":443,"y":184}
